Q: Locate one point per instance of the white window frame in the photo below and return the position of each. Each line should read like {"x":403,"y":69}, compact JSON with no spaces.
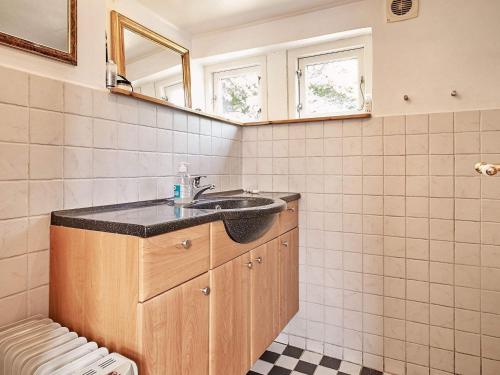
{"x":359,"y":47}
{"x":228,"y":68}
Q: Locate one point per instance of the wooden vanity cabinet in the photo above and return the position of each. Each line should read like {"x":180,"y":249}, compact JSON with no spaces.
{"x":189,"y":302}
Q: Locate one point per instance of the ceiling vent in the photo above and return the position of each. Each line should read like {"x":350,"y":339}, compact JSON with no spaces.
{"x":400,"y":10}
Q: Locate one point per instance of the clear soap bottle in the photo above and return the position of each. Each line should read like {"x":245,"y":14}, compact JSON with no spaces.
{"x":182,"y":188}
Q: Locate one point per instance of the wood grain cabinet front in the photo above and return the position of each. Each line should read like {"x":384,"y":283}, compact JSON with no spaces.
{"x":264,"y":298}
{"x":289,"y":276}
{"x":170,"y":259}
{"x":289,"y":218}
{"x":230,"y":317}
{"x":173,"y":330}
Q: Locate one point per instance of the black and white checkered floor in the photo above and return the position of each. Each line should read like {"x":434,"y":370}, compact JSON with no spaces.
{"x":280,"y":359}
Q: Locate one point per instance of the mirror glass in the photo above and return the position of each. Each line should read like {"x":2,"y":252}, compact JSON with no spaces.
{"x":153,"y":69}
{"x":41,"y":22}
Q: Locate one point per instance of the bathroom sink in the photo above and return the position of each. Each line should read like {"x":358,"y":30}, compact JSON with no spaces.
{"x":230,"y":203}
{"x":245,"y":218}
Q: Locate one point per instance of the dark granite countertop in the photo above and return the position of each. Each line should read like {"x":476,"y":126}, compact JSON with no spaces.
{"x":151,"y":218}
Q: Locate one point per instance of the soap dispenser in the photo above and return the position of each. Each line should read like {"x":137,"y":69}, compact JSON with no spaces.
{"x":182,"y":188}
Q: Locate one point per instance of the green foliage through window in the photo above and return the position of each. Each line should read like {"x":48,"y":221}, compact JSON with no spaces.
{"x":332,"y":86}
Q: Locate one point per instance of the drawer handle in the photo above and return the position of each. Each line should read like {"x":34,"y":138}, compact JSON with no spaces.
{"x":259,"y":260}
{"x":250,"y":265}
{"x":205,"y":291}
{"x":290,"y":209}
{"x":186,"y":244}
{"x":284,"y":243}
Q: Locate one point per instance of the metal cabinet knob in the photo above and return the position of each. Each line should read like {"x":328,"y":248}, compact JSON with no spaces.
{"x":259,"y":259}
{"x":290,"y":209}
{"x":284,"y":243}
{"x":206,"y":291}
{"x":186,"y":244}
{"x":250,"y":265}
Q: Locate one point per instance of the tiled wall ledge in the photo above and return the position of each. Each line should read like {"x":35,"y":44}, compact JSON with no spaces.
{"x":140,"y":96}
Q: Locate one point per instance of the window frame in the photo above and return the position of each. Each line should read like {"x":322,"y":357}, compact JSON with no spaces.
{"x":170,"y":80}
{"x":325,"y":58}
{"x":225,"y":69}
{"x":360,"y":45}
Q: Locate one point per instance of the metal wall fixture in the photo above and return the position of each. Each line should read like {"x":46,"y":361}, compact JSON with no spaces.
{"x":487,"y":169}
{"x":453,"y":93}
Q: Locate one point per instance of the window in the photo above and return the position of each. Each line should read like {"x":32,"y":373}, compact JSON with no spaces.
{"x":330,"y":83}
{"x":174,"y":93}
{"x":238,"y":93}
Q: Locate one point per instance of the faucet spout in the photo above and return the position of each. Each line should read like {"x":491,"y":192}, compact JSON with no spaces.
{"x":201,"y":190}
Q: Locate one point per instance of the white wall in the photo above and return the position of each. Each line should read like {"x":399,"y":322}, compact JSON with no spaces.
{"x":93,"y":21}
{"x":450,"y":46}
{"x":91,"y":62}
{"x":139,"y":13}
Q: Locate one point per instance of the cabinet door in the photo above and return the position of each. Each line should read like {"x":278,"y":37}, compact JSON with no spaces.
{"x":229,"y":317}
{"x":175,"y":330}
{"x":289,"y":276}
{"x":264,"y":291}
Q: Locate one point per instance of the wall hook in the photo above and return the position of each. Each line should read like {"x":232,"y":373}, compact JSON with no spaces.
{"x":454,"y":93}
{"x":406,"y":97}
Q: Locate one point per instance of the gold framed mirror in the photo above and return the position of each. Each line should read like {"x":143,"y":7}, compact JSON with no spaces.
{"x":46,"y":28}
{"x":155,"y":65}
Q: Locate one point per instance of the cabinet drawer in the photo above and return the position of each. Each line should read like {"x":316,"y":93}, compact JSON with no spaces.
{"x":289,"y":218}
{"x":223,"y":248}
{"x":170,"y":259}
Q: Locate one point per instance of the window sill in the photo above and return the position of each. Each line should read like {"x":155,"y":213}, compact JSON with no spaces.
{"x":311,"y":119}
{"x":150,"y":99}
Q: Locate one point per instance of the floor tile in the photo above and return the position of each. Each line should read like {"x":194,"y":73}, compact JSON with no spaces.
{"x":325,"y":371}
{"x":277,"y":347}
{"x":349,"y":368}
{"x":305,"y":367}
{"x":287,"y":362}
{"x":311,"y":357}
{"x":270,"y":357}
{"x":262,"y":367}
{"x":293,"y":351}
{"x":330,"y":362}
{"x":277,"y":370}
{"x":369,"y":371}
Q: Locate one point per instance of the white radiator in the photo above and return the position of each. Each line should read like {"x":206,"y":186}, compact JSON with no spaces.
{"x":39,"y":346}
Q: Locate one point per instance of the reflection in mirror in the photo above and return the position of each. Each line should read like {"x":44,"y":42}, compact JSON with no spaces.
{"x":153,"y":69}
{"x":156,"y":66}
{"x":43,"y":27}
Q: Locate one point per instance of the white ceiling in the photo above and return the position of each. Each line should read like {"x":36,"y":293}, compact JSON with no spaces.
{"x":200,"y":16}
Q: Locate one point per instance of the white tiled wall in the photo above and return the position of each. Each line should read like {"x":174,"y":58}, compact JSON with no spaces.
{"x":400,"y":238}
{"x":66,"y":146}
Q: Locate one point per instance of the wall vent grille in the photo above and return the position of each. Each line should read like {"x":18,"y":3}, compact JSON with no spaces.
{"x":400,"y":10}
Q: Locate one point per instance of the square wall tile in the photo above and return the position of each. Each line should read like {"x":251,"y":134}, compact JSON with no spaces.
{"x":46,"y":93}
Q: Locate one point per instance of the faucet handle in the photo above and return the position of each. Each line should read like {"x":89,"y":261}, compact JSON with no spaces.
{"x":197,"y":180}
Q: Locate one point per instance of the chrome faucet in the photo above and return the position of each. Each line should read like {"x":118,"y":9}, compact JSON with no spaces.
{"x":198,"y":190}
